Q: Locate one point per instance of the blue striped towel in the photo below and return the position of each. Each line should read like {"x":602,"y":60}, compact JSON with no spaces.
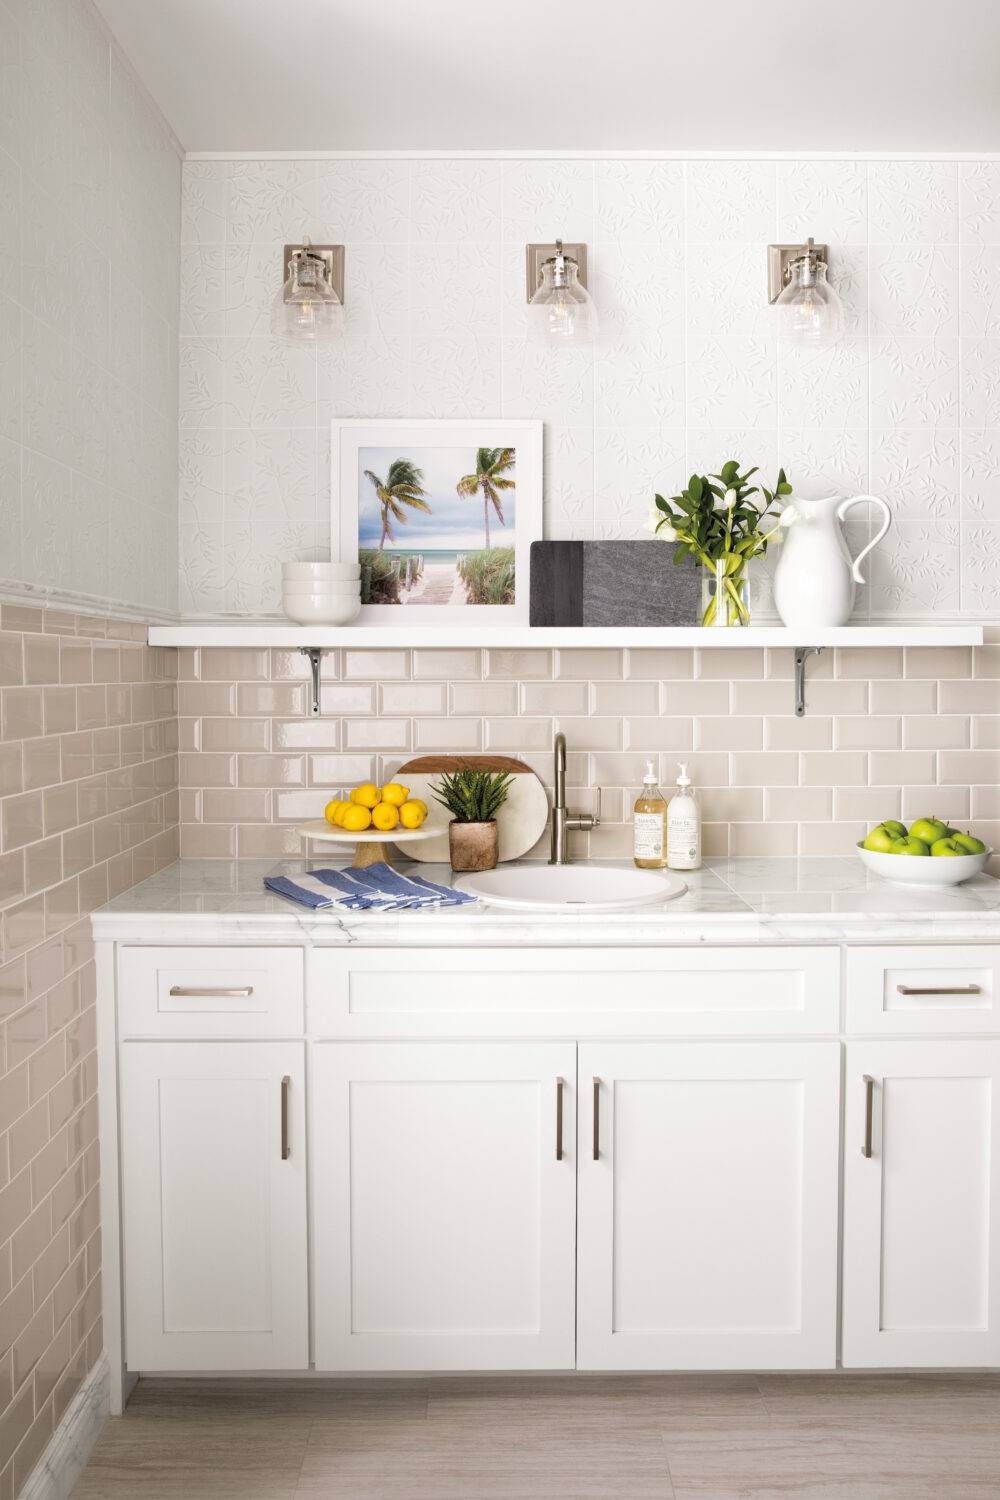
{"x":374,"y":888}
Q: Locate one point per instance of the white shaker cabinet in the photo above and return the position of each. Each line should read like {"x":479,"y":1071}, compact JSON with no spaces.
{"x":444,"y":1200}
{"x":214,"y":1205}
{"x":922,"y":1203}
{"x":708,"y":1185}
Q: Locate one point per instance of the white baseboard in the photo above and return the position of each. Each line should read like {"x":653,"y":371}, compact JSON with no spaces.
{"x":65,"y":1458}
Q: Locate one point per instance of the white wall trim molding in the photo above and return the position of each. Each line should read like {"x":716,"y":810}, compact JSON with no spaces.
{"x":602,"y":155}
{"x":65,"y":1458}
{"x":14,"y":591}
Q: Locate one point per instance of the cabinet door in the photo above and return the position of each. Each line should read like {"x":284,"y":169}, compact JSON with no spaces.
{"x":444,"y":1210}
{"x":708,"y":1205}
{"x":921,"y":1229}
{"x":214,"y":1205}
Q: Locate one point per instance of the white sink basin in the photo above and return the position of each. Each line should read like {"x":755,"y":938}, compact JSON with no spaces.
{"x":566,"y":887}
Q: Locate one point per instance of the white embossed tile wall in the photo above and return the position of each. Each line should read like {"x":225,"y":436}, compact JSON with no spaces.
{"x":686,"y":372}
{"x":89,"y":246}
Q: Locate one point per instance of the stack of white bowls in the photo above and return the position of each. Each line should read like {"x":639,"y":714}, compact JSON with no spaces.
{"x":321,"y":593}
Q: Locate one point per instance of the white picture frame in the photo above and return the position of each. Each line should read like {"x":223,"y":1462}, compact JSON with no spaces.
{"x":359,"y":444}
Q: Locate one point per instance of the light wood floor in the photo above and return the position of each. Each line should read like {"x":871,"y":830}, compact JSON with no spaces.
{"x":655,"y":1437}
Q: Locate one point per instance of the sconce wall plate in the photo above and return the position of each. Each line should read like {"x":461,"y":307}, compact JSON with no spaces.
{"x":333,"y":255}
{"x":536,"y":254}
{"x":780,"y":257}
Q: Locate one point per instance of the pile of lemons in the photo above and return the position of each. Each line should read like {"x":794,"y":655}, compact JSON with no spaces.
{"x":384,"y":808}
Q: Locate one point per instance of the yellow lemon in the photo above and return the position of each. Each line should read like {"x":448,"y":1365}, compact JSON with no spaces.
{"x":366,"y":796}
{"x":395,"y":794}
{"x":331,"y":810}
{"x":385,"y":816}
{"x":413,"y":813}
{"x":356,"y":819}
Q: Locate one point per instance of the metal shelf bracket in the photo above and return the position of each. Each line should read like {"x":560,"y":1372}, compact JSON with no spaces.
{"x":801,"y":652}
{"x":315,"y":655}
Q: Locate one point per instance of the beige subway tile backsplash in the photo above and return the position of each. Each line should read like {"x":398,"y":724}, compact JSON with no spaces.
{"x":448,"y":666}
{"x":553,"y":697}
{"x":872,"y":728}
{"x":867,"y":732}
{"x":626,"y":698}
{"x":968,"y":767}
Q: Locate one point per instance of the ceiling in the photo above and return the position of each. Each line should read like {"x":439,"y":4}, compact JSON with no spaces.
{"x":858,"y":75}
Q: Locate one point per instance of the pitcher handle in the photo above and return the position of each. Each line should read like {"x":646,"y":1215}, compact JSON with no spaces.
{"x":842,"y":510}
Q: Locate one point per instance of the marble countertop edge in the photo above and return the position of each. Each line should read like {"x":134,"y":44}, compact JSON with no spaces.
{"x":778,"y":900}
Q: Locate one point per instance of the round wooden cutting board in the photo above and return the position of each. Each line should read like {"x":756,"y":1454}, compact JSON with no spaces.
{"x":520,"y":822}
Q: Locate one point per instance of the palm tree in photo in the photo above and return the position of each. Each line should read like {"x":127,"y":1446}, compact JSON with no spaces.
{"x":402,"y":486}
{"x":493,"y":466}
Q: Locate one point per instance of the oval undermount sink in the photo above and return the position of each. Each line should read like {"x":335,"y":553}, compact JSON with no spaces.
{"x":562,"y":887}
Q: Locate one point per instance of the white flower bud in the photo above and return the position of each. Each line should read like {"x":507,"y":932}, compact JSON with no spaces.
{"x":788,"y":515}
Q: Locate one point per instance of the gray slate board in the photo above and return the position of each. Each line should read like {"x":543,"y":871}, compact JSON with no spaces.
{"x":612,"y":583}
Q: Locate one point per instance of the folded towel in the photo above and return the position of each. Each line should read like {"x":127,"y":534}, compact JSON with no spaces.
{"x":375,"y":888}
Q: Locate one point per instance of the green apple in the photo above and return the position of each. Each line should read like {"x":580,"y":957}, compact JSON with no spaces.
{"x":896,"y":829}
{"x":969,"y":844}
{"x":909,"y":845}
{"x":880,"y":840}
{"x":929,"y":830}
{"x":946,"y":846}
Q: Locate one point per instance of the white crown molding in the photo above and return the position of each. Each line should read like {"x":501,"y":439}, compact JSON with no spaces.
{"x":66,"y":1454}
{"x":555,"y":155}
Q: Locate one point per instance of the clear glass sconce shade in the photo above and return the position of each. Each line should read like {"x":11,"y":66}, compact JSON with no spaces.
{"x":562,"y":311}
{"x":809,"y":311}
{"x":307,"y":310}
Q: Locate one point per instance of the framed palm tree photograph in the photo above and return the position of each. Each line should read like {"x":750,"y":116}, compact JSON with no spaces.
{"x":440,"y":515}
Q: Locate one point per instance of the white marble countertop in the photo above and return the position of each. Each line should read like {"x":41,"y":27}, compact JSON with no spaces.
{"x":728,"y":901}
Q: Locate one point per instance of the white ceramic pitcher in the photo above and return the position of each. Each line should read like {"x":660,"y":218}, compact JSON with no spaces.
{"x":816,"y":577}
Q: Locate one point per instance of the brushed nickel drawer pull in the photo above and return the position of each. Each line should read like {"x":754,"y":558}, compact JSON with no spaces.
{"x":869,"y":1082}
{"x":559,"y":1119}
{"x":958,"y":989}
{"x":211,"y":994}
{"x":597,"y":1119}
{"x":286,"y":1149}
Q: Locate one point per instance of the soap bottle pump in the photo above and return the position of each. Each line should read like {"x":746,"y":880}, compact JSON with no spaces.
{"x":650,"y":824}
{"x":684,"y":826}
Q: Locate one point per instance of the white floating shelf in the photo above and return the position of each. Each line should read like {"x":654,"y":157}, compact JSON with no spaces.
{"x":522,"y":637}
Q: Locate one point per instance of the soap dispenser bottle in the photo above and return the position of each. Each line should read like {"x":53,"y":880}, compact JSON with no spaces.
{"x":650,"y":824}
{"x":684,"y":826}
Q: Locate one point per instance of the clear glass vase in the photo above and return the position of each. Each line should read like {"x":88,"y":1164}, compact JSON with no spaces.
{"x":725,"y":595}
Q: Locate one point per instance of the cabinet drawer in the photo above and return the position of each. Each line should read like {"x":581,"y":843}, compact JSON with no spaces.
{"x":210,"y":992}
{"x":918,"y":990}
{"x":369,"y":993}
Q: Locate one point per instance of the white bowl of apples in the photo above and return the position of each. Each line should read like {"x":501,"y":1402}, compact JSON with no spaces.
{"x":929,"y":852}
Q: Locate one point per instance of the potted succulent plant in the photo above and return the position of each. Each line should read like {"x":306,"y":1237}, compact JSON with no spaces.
{"x":473,"y":797}
{"x":724,"y":522}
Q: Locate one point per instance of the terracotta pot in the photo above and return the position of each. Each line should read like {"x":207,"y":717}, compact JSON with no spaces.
{"x":473,"y":846}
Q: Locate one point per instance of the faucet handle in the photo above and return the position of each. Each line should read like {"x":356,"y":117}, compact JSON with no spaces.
{"x":597,"y":815}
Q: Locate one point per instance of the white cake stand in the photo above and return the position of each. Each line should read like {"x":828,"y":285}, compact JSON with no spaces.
{"x":371,"y":847}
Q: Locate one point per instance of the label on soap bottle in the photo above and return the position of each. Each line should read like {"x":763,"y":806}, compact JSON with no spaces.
{"x":649,"y":835}
{"x":684,"y":842}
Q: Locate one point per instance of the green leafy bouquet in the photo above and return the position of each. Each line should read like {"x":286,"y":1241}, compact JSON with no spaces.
{"x":723,"y":521}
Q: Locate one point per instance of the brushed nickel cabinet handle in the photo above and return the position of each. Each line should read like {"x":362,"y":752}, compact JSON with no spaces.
{"x":211,"y":994}
{"x":958,"y":989}
{"x":597,"y":1119}
{"x":286,"y":1149}
{"x":869,"y":1082}
{"x":559,"y":1119}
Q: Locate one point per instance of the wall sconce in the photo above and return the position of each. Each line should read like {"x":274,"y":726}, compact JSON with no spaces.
{"x":560,"y":309}
{"x":309,"y":308}
{"x":808,"y":309}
